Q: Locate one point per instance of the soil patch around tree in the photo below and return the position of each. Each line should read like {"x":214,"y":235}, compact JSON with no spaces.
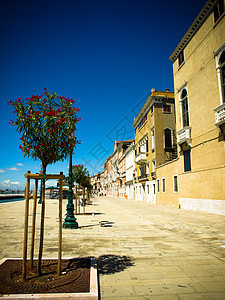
{"x":75,"y":277}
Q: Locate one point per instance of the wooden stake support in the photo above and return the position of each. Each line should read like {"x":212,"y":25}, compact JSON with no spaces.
{"x":37,"y":177}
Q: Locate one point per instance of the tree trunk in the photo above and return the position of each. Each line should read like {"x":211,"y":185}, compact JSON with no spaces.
{"x":42,"y":221}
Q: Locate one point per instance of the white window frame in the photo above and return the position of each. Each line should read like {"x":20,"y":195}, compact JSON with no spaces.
{"x":153,"y":165}
{"x":164,"y":138}
{"x":158,"y":186}
{"x":154,"y":189}
{"x":184,"y":87}
{"x":174,"y":184}
{"x":153,"y":137}
{"x":163,"y":185}
{"x":217,"y":56}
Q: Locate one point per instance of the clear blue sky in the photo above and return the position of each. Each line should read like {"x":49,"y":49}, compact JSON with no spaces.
{"x":105,"y":54}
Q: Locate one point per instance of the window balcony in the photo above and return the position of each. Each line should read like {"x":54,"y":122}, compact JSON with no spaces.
{"x":184,"y":135}
{"x":141,"y":158}
{"x":153,"y":174}
{"x":143,"y":177}
{"x":220,"y":115}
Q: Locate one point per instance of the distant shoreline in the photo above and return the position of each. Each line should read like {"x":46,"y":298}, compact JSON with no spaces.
{"x":11,"y":196}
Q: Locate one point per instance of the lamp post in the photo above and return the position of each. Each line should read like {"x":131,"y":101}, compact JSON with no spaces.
{"x":41,"y":172}
{"x":70,"y":221}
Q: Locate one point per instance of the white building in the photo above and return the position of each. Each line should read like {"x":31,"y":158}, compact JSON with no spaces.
{"x":130,"y":169}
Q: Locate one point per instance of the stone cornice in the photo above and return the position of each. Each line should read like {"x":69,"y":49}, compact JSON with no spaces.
{"x":155,"y":97}
{"x":203,"y":15}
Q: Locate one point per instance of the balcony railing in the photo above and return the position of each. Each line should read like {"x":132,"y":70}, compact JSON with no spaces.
{"x":184,"y":135}
{"x":141,"y":158}
{"x":153,"y":174}
{"x":143,"y":177}
{"x":220,"y":115}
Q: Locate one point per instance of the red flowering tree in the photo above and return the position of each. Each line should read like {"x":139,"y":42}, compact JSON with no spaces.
{"x":47,"y":123}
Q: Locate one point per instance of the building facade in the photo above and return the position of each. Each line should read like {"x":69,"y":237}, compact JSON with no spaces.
{"x":179,"y":148}
{"x":130,"y":171}
{"x":196,"y":179}
{"x":155,"y":141}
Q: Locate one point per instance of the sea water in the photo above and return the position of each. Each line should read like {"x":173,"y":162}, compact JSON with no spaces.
{"x":11,"y":200}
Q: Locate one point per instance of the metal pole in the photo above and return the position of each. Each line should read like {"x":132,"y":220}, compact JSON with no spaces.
{"x":42,"y":224}
{"x":26,"y":228}
{"x":60,"y":225}
{"x":83,"y":200}
{"x":70,"y":221}
{"x":76,"y":201}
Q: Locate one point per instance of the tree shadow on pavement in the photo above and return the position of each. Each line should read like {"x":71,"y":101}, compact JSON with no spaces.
{"x":111,"y":264}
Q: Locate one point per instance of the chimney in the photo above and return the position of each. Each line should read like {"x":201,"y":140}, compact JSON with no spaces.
{"x":152,"y":90}
{"x":167,"y":90}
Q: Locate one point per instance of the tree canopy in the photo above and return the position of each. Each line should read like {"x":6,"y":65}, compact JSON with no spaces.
{"x":47,"y":123}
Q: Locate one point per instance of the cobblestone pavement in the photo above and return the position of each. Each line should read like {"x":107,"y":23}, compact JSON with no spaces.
{"x":144,"y":251}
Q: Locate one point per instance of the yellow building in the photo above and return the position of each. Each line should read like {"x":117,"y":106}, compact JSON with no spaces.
{"x":155,"y":141}
{"x":196,"y":180}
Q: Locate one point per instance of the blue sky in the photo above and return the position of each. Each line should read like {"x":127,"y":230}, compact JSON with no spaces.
{"x":105,"y":54}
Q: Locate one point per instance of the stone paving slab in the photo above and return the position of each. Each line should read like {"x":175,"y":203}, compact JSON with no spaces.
{"x":145,"y":251}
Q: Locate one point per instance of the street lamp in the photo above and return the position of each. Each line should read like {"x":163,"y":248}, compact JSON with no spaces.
{"x":70,"y":221}
{"x":41,"y":172}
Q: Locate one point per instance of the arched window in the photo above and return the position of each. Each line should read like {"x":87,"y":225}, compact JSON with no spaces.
{"x":168,"y":138}
{"x":185,"y":113}
{"x":222,"y":74}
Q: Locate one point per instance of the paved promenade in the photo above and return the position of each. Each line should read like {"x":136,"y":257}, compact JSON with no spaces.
{"x":145,"y":251}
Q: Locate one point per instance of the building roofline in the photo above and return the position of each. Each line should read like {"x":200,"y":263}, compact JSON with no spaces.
{"x":202,"y":16}
{"x":156,"y":95}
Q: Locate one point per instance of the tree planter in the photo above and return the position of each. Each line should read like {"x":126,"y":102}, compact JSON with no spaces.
{"x":78,"y":279}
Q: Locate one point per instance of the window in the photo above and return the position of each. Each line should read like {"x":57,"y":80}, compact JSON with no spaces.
{"x":185,"y":113}
{"x":153,"y":165}
{"x":218,"y":10}
{"x":148,"y":189}
{"x":140,"y":189}
{"x":142,"y":122}
{"x":175,"y":183}
{"x":187,"y":160}
{"x":158,"y":186}
{"x":154,"y":188}
{"x":168,"y":138}
{"x":222,"y":74}
{"x":164,"y":185}
{"x":152,"y":109}
{"x":147,"y":169}
{"x":147,"y":146}
{"x":153,"y":138}
{"x":167,"y":108}
{"x":181,"y":58}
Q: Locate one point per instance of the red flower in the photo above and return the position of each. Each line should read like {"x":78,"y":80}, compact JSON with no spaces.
{"x":37,"y":147}
{"x":20,"y":146}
